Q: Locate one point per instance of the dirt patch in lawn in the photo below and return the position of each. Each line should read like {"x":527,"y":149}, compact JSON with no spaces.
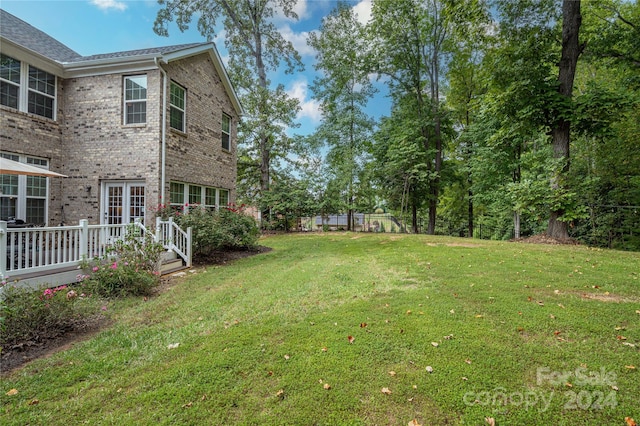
{"x":18,"y":355}
{"x":610,"y":298}
{"x":545,"y":239}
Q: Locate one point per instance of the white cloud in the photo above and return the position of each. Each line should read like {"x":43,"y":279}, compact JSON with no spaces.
{"x":363,"y":11}
{"x":310,"y":108}
{"x":299,"y":40}
{"x":300,"y":8}
{"x":109,"y":4}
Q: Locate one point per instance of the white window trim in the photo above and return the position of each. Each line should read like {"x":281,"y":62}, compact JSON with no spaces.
{"x":183,"y":110}
{"x":21,"y":203}
{"x":126,"y":102}
{"x":23,"y":90}
{"x":222,"y":132}
{"x":203,"y":195}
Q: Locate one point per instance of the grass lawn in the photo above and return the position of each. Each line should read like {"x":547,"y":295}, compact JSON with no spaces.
{"x":343,"y":328}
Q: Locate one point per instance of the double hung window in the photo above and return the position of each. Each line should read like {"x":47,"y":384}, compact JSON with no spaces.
{"x":135,"y":99}
{"x":177,"y":108}
{"x":27,"y":88}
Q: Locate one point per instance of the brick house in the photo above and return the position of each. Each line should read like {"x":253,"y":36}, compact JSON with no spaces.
{"x":131,"y":130}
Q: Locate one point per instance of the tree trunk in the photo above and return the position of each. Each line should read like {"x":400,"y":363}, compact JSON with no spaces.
{"x":414,"y":218}
{"x":516,"y":225}
{"x":470,"y":210}
{"x":561,"y":133}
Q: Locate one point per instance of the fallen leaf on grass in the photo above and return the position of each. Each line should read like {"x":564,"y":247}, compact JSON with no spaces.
{"x":363,"y":324}
{"x":204,"y":397}
{"x":12,"y":392}
{"x":615,"y":388}
{"x":464,"y":379}
{"x":541,"y":303}
{"x":619,"y":328}
{"x":34,"y":402}
{"x":621,"y":338}
{"x":468,"y":361}
{"x":287,"y":357}
{"x":413,"y":422}
{"x":630,"y":367}
{"x":351,"y":339}
{"x":280,"y":393}
{"x":638,"y":312}
{"x":478,"y":316}
{"x":630,"y":421}
{"x":327,"y":386}
{"x":569,"y":385}
{"x":561,"y":305}
{"x":629,"y":344}
{"x":173,"y":345}
{"x":449,"y":337}
{"x":490,"y":421}
{"x":409,"y":312}
{"x":187,"y":405}
{"x":392,"y":373}
{"x":429,"y":369}
{"x":552,"y":316}
{"x":386,"y":391}
{"x":324,"y":349}
{"x":555,"y":333}
{"x":452,"y":311}
{"x":434,"y":344}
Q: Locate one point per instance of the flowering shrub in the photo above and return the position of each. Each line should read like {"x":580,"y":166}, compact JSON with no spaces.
{"x":33,"y":315}
{"x":220,"y":229}
{"x":130,"y":267}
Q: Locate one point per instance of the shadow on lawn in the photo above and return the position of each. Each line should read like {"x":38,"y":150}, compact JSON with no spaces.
{"x":18,"y":355}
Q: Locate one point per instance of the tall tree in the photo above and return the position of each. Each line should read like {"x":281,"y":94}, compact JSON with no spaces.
{"x":255,"y":48}
{"x":343,"y":90}
{"x":561,"y":130}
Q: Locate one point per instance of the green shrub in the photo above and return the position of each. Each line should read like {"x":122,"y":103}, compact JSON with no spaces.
{"x":227,"y":228}
{"x":35,"y":315}
{"x":131,"y":267}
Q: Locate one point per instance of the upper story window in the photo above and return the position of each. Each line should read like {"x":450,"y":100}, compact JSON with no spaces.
{"x":177,"y":107}
{"x":27,"y":88}
{"x":135,"y":99}
{"x":42,"y":92}
{"x":226,"y":132}
{"x":9,"y":81}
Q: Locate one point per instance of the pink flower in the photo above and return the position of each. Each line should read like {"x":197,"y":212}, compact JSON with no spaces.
{"x":104,"y":307}
{"x":95,"y":269}
{"x":114,"y":265}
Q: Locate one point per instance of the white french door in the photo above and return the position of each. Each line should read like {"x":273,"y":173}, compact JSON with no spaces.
{"x":122,"y":202}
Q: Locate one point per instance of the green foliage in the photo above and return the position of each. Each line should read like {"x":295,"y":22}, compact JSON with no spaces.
{"x":28,"y":315}
{"x":131,"y":267}
{"x":220,"y":345}
{"x":227,"y":228}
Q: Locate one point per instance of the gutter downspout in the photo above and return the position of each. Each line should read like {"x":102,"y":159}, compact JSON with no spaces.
{"x":164,"y":132}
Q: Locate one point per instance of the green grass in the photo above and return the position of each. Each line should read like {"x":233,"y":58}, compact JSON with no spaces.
{"x":259,"y":338}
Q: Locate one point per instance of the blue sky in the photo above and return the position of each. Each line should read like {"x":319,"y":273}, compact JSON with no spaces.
{"x":102,"y":26}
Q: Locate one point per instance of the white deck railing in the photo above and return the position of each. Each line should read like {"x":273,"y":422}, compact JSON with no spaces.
{"x":31,"y":250}
{"x":174,"y":238}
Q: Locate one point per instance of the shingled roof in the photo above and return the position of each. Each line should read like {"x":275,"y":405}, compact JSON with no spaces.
{"x":139,"y":52}
{"x":18,"y":31}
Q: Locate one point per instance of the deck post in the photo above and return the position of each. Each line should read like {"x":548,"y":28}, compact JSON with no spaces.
{"x":159,"y":238}
{"x":3,"y":250}
{"x":84,"y":239}
{"x":189,"y":247}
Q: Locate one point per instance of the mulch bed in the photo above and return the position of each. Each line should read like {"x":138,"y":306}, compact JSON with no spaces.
{"x":18,"y":355}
